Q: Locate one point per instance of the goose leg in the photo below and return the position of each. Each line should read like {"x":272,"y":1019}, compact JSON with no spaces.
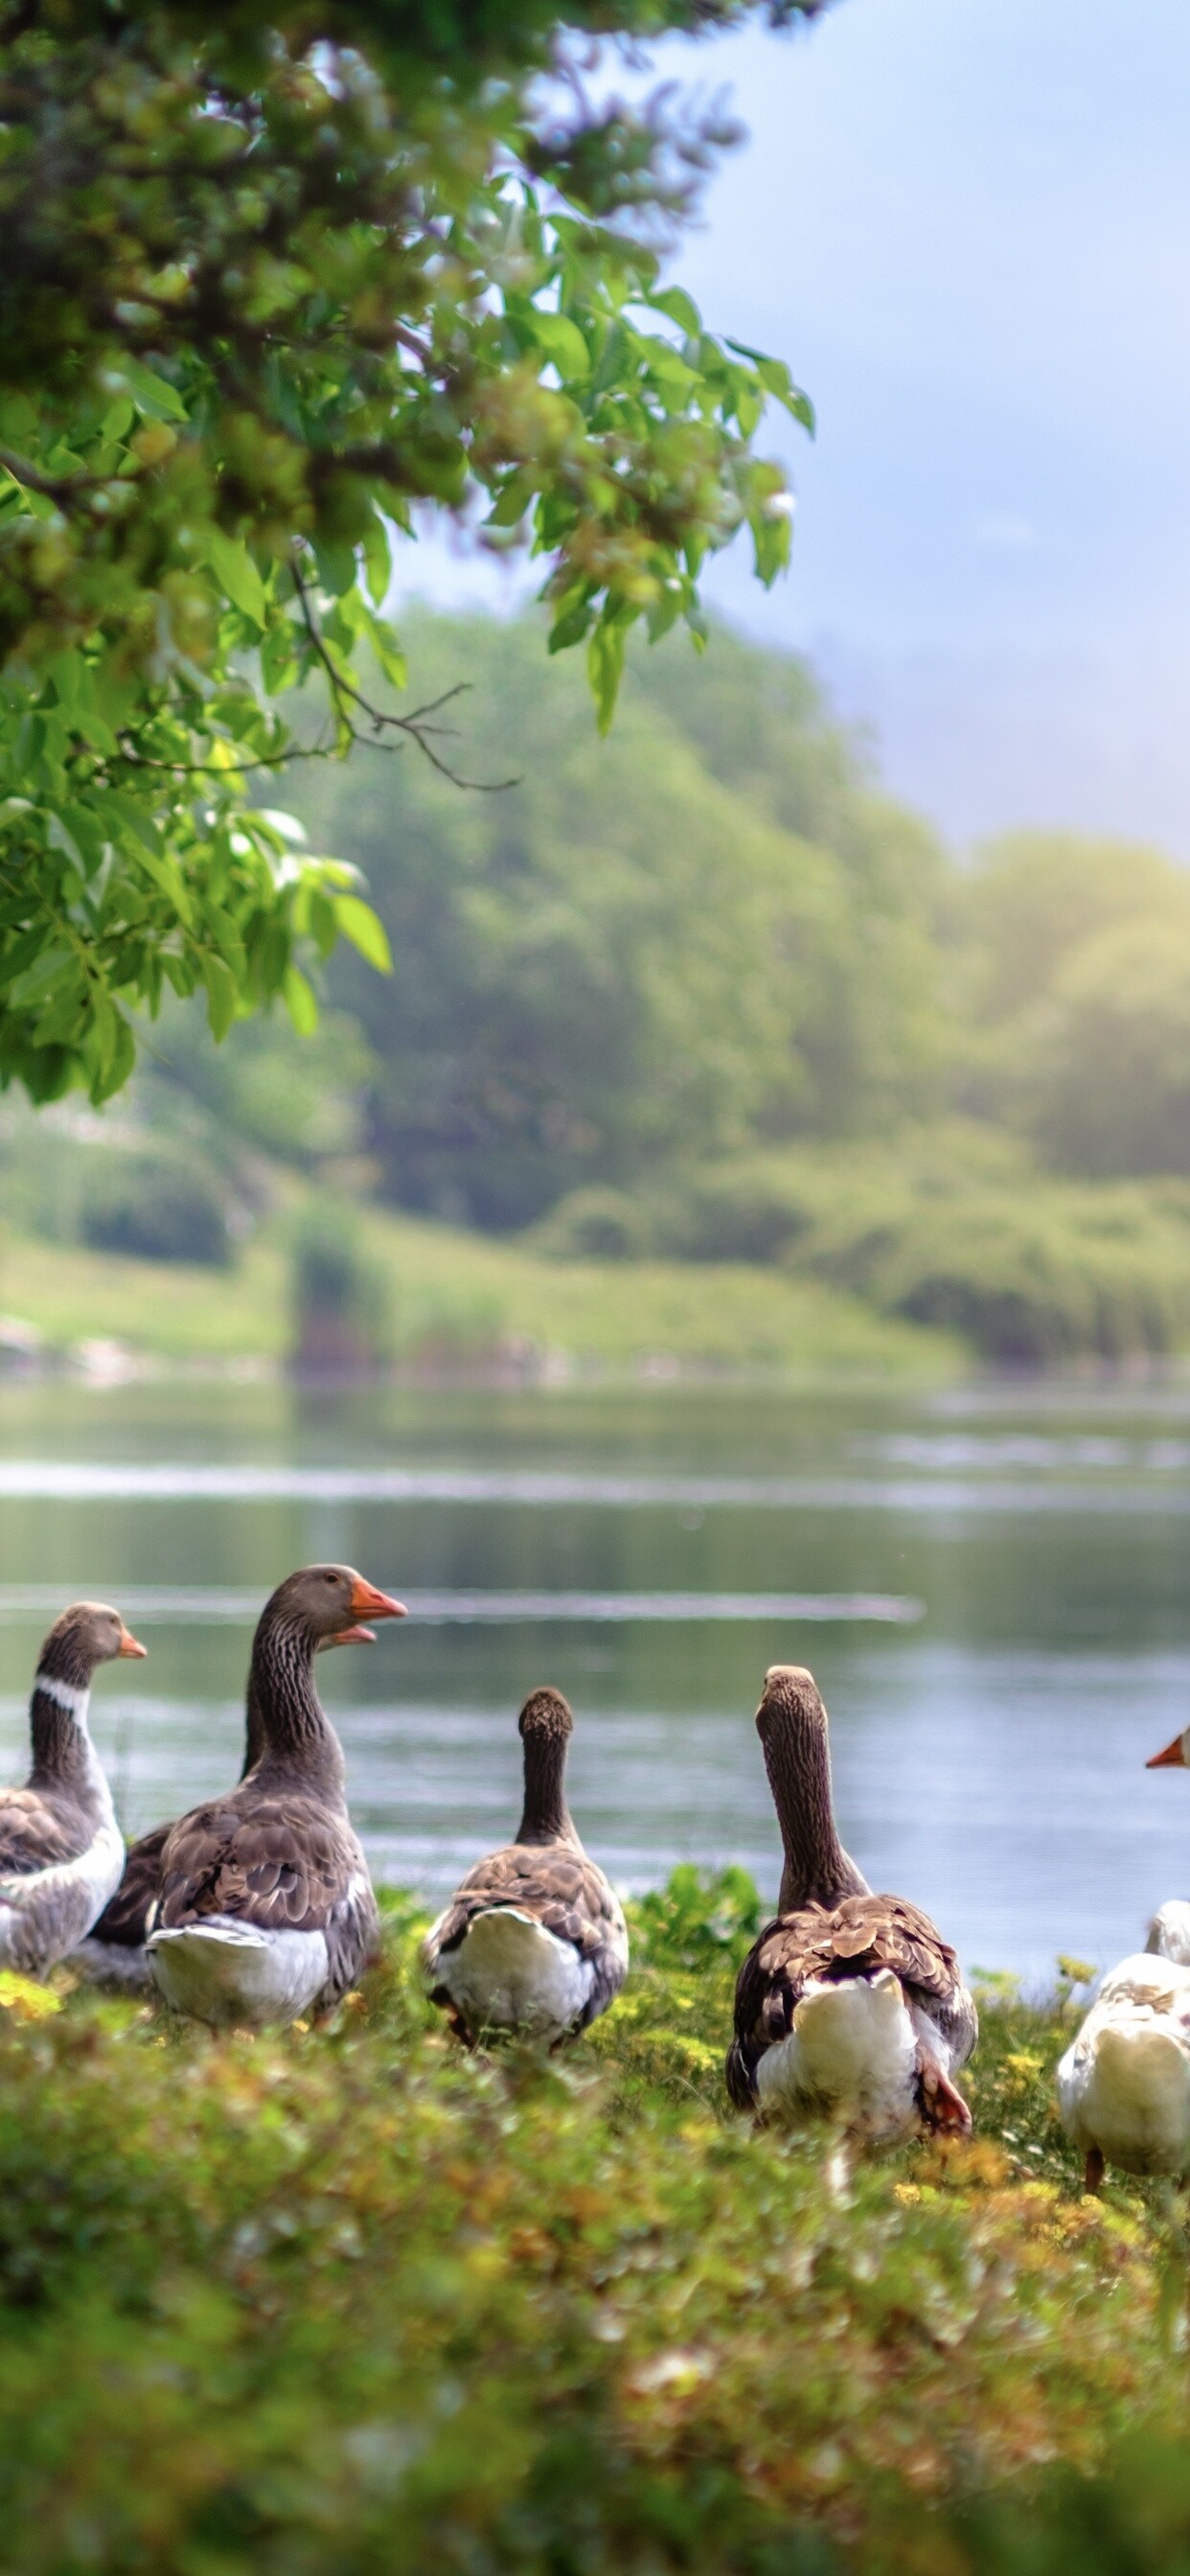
{"x":1093,"y":2170}
{"x":942,"y":2104}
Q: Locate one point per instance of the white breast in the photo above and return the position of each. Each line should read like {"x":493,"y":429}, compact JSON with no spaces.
{"x":509,"y":1973}
{"x":1124,"y":2083}
{"x":50,"y":1909}
{"x":226,"y":1972}
{"x":851,"y":2054}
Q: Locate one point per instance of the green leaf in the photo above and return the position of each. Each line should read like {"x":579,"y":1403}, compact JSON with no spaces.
{"x":365,"y":929}
{"x":237,"y":576}
{"x":605,"y":669}
{"x":387,"y":651}
{"x":336,"y":566}
{"x":149,"y":391}
{"x":301,"y":1001}
{"x":222,"y":993}
{"x":120,"y":1062}
{"x":377,"y":559}
{"x":562,"y":342}
{"x":777,"y":381}
{"x":680,"y":308}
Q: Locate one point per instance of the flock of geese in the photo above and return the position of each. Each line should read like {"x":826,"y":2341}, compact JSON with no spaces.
{"x":257,"y":1908}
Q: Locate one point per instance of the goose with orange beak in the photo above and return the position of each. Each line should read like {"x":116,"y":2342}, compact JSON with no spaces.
{"x":61,"y":1850}
{"x":1124,"y":2083}
{"x":115,"y":1951}
{"x":265,"y":1909}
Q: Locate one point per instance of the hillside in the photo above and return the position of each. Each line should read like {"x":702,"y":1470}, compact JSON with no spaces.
{"x":458,"y":1301}
{"x":695,"y":1045}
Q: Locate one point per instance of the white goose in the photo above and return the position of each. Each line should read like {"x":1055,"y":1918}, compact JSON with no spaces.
{"x":1124,"y":2082}
{"x":848,"y":2005}
{"x":61,"y":1850}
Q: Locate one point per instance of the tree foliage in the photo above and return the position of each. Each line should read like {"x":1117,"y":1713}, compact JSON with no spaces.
{"x":274,"y":280}
{"x":650,"y":950}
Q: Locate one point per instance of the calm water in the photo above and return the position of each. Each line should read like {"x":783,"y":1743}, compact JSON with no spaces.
{"x":992,"y":1586}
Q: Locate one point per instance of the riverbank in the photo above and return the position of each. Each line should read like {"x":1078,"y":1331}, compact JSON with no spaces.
{"x":353,"y":2302}
{"x":461,"y":1302}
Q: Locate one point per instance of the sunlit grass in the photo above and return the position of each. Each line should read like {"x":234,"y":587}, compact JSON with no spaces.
{"x":461,"y":1300}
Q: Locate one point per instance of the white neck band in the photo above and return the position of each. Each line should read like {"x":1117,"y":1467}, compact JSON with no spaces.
{"x":64,"y":1695}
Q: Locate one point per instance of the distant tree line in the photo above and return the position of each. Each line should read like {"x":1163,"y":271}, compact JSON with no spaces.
{"x":713,"y":934}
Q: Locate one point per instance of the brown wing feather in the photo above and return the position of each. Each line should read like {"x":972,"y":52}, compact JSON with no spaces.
{"x":124,"y":1921}
{"x":33,"y":1835}
{"x":279,"y":1862}
{"x":856,"y":1938}
{"x":562,"y":1889}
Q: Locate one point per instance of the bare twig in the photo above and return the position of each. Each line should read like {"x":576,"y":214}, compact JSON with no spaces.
{"x":345,"y":696}
{"x":53,"y":487}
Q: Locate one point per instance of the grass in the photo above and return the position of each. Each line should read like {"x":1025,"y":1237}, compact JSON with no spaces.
{"x":352,"y":2302}
{"x":460,"y":1299}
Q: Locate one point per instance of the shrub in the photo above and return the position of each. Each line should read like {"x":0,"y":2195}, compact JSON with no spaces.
{"x":753,"y":1209}
{"x":697,"y":1919}
{"x":954,"y":1227}
{"x":351,"y":2303}
{"x":156,"y":1205}
{"x":340,"y":1294}
{"x":593,"y":1225}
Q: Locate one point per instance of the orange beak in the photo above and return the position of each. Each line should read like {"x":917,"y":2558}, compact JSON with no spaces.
{"x":130,"y":1645}
{"x":1172,"y":1758}
{"x":349,"y":1637}
{"x":368,"y":1603}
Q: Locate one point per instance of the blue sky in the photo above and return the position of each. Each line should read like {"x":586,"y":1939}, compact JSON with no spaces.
{"x":966,"y":224}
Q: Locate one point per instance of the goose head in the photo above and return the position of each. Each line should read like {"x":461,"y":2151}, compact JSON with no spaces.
{"x":328,"y":1604}
{"x":87,"y":1634}
{"x":546,"y":1718}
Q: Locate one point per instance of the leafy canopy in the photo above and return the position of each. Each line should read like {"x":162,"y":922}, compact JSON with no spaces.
{"x":273,"y":281}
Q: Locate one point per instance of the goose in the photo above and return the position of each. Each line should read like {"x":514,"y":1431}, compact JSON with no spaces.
{"x":534,"y":1938}
{"x":115,"y":1951}
{"x":265,"y":1907}
{"x":61,"y":1850}
{"x":1124,"y":2082}
{"x":847,"y":2004}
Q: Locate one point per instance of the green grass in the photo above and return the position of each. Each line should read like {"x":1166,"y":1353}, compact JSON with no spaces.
{"x":353,"y":2304}
{"x":461,"y":1299}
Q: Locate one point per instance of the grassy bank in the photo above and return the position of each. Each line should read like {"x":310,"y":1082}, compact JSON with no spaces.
{"x":350,"y":2303}
{"x":461,"y":1299}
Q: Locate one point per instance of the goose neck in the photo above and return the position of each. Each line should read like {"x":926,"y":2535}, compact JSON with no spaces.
{"x":287,"y":1725}
{"x":816,"y":1869}
{"x":545,"y":1816}
{"x":65,"y":1761}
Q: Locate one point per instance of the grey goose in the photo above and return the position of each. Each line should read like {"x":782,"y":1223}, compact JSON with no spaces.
{"x":534,"y":1938}
{"x":849,"y":2004}
{"x":265,"y":1909}
{"x":115,"y":1951}
{"x":61,"y":1850}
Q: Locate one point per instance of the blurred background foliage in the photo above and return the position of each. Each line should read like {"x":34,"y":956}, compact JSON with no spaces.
{"x":699,"y":993}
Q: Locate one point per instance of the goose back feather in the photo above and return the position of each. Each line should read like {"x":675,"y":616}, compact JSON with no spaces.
{"x":848,"y":2003}
{"x":534,"y":1938}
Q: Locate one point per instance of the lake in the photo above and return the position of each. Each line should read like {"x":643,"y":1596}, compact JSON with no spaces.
{"x":991,"y":1583}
